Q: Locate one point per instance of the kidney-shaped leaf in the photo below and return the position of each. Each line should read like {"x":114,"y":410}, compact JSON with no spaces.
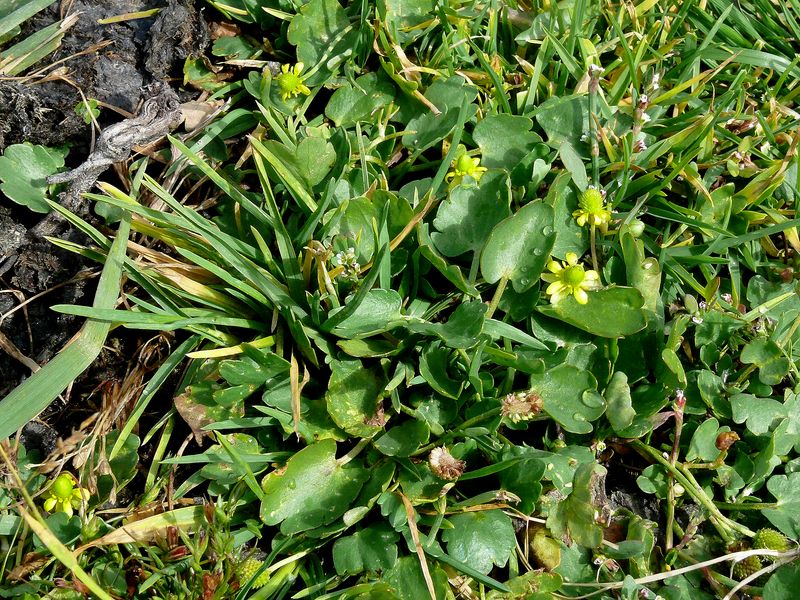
{"x":504,"y":140}
{"x":612,"y":313}
{"x":570,"y":397}
{"x":481,"y":539}
{"x":312,"y":489}
{"x":352,"y":398}
{"x":370,"y":549}
{"x":518,"y":247}
{"x":466,"y":217}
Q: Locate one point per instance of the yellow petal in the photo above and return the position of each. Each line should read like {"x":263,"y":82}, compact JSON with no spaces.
{"x":572,"y":259}
{"x":555,"y":288}
{"x":554,"y":266}
{"x":298,"y":68}
{"x":549,"y":277}
{"x":67,"y":508}
{"x":50,"y":503}
{"x":581,"y":296}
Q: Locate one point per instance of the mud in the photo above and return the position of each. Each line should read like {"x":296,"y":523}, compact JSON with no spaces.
{"x":123,"y":59}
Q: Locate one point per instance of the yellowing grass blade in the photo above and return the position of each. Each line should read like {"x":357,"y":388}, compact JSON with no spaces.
{"x":62,"y":553}
{"x":145,"y":530}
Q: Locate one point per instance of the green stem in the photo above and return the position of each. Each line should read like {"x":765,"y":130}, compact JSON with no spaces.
{"x":673,"y":459}
{"x":593,"y":144}
{"x":498,"y":294}
{"x":473,"y":269}
{"x":593,"y":245}
{"x":747,"y":505}
{"x":722,"y":524}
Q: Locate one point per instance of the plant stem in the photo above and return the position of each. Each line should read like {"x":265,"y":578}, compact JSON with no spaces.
{"x":723,"y":525}
{"x":498,"y":293}
{"x":593,"y":245}
{"x":473,"y":269}
{"x":673,"y":459}
{"x":594,"y":83}
{"x":746,"y":505}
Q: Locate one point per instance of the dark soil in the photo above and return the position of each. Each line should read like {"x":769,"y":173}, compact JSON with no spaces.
{"x":140,"y":52}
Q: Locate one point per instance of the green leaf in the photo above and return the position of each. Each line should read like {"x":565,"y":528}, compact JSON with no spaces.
{"x":564,"y":118}
{"x":612,"y":312}
{"x":314,"y":29}
{"x":465,"y":219}
{"x":250,"y":370}
{"x":370,"y":549}
{"x":620,"y":410}
{"x":66,"y":529}
{"x":433,"y":367}
{"x":773,"y":366}
{"x":703,"y":444}
{"x":786,"y":489}
{"x":401,"y":16}
{"x":783,"y":584}
{"x":352,"y":103}
{"x":309,"y":162}
{"x":378,"y":312}
{"x":451,"y":272}
{"x":235,"y":47}
{"x":519,"y":247}
{"x":481,"y":539}
{"x":504,"y":140}
{"x":407,"y":582}
{"x":786,"y":517}
{"x":24,"y":169}
{"x":575,"y":515}
{"x":758,"y":414}
{"x":353,"y":398}
{"x":523,"y":477}
{"x":573,"y":163}
{"x":462,"y":329}
{"x":312,"y":489}
{"x":404,"y":439}
{"x":34,"y":394}
{"x":448,"y":95}
{"x":570,"y":237}
{"x":353,"y":220}
{"x":570,"y":397}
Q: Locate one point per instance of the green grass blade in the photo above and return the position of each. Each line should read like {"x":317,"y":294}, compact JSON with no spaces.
{"x":34,"y":394}
{"x":20,"y":15}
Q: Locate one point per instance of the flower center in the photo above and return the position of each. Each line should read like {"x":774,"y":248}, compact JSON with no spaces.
{"x":592,"y":200}
{"x":62,"y":487}
{"x":464,"y":164}
{"x":289,"y":82}
{"x":573,"y":276}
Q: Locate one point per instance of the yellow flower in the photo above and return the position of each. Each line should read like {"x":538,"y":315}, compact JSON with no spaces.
{"x":463,"y":166}
{"x":570,"y":279}
{"x":592,"y":209}
{"x":64,"y":496}
{"x":290,"y":82}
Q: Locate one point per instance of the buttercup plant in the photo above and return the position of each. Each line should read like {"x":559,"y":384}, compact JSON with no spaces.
{"x":465,"y":166}
{"x":65,"y":495}
{"x":290,"y":83}
{"x":569,"y":278}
